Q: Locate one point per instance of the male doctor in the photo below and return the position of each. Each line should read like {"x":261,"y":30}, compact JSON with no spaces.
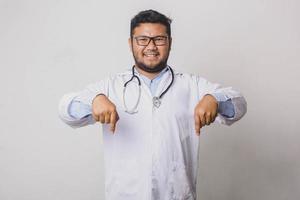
{"x":151,"y":116}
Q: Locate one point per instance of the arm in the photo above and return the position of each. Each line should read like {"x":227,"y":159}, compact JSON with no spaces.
{"x":74,"y":112}
{"x":230,"y":109}
{"x":88,"y":106}
{"x":225,"y":106}
{"x":233,"y":108}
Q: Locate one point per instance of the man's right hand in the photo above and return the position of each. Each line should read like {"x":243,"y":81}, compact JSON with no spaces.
{"x":104,"y":111}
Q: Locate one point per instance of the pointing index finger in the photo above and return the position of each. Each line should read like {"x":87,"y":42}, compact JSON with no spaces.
{"x":197,"y":124}
{"x":113,"y":120}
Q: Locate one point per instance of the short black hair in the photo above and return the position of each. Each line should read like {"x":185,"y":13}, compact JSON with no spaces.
{"x":150,"y":16}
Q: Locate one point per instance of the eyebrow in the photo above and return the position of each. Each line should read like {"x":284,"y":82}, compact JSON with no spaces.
{"x":150,"y":36}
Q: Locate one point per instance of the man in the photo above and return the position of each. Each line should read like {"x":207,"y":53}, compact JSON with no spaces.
{"x":151,"y":116}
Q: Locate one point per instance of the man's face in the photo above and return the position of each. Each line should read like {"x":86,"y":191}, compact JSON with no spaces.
{"x":152,"y":56}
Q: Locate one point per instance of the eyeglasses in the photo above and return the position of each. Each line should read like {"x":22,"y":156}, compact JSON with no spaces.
{"x":157,"y":40}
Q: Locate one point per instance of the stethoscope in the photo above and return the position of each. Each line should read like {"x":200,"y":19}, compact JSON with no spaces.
{"x":156,"y":100}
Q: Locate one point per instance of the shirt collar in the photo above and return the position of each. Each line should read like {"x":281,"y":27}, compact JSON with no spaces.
{"x":157,"y":77}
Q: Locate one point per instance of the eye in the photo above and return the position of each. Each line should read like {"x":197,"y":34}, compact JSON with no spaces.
{"x":159,"y":39}
{"x":142,"y":39}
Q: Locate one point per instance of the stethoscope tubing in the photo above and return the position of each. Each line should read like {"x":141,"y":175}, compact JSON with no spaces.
{"x":134,"y":109}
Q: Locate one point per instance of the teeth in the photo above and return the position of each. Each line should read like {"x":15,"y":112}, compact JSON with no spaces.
{"x":150,"y":54}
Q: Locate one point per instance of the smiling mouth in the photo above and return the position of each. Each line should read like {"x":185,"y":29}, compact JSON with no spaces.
{"x":151,"y":55}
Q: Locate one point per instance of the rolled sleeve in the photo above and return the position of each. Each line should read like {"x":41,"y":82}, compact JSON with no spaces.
{"x":225,"y":106}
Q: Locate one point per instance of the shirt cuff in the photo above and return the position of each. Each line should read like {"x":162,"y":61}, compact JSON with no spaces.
{"x":225,"y":105}
{"x":79,"y":110}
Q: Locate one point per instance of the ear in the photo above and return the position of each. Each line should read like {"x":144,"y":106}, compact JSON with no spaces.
{"x":170,"y":43}
{"x":130,"y":43}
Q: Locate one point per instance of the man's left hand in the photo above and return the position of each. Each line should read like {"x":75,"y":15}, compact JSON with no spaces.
{"x":205,"y":112}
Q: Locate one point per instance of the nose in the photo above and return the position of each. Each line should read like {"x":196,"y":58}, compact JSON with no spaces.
{"x":151,"y":44}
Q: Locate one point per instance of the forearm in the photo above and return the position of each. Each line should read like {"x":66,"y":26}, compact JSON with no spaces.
{"x":75,"y":108}
{"x":73,"y":115}
{"x":232,"y":106}
{"x":225,"y":106}
{"x":232,"y":110}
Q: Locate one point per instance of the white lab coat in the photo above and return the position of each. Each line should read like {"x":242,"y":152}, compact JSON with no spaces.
{"x":153,"y":154}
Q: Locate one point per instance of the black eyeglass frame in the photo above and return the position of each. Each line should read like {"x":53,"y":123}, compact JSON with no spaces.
{"x":151,"y":38}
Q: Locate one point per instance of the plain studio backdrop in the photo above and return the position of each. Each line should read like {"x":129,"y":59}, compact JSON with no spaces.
{"x":49,"y":48}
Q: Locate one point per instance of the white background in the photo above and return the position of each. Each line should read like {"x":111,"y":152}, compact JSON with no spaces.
{"x":48,"y":48}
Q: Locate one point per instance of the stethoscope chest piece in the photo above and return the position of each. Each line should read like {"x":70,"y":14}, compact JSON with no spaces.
{"x":156,"y":101}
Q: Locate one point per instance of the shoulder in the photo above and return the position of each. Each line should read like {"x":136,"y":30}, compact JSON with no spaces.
{"x":119,"y":75}
{"x":185,"y":76}
{"x":192,"y":80}
{"x":125,"y":72}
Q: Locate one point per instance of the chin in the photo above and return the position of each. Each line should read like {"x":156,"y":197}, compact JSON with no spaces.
{"x":151,"y":65}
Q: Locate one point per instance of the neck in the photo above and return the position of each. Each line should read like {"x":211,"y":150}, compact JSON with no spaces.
{"x":149,"y":75}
